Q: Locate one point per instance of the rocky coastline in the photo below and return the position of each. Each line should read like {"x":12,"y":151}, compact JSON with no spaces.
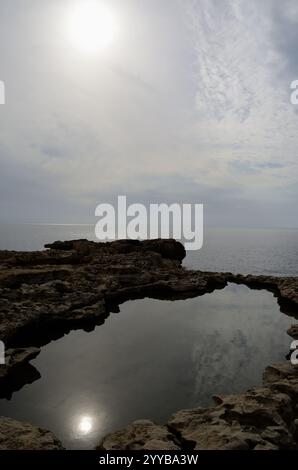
{"x":77,"y":284}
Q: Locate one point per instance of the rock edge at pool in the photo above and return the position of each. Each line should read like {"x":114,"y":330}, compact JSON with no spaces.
{"x":76,"y":284}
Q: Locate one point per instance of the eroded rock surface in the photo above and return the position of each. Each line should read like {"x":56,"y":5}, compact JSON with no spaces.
{"x":141,"y":435}
{"x":75,"y":284}
{"x":15,"y":435}
{"x":45,"y":294}
{"x":263,"y":418}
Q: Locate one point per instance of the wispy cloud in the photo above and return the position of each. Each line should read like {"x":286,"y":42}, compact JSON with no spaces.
{"x":244,"y":112}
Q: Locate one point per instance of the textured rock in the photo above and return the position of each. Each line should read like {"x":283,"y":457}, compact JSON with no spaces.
{"x":140,"y":435}
{"x":76,"y":284}
{"x":45,"y":294}
{"x":263,"y":418}
{"x":239,"y":422}
{"x":15,"y":435}
{"x":293,"y":331}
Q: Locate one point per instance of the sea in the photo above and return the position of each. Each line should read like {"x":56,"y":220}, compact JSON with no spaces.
{"x":254,"y":251}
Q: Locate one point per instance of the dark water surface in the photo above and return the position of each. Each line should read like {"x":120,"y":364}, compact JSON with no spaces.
{"x":151,"y":359}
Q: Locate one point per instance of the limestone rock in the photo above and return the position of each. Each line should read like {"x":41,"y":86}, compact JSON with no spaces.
{"x":15,"y":435}
{"x":263,"y":418}
{"x":74,"y":284}
{"x":77,"y":283}
{"x":140,"y":435}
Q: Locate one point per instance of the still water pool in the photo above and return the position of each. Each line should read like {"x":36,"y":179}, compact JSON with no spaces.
{"x":150,"y":360}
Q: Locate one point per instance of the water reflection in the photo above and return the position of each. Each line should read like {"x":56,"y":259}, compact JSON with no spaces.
{"x":85,"y":425}
{"x":152,"y":359}
{"x":18,"y":377}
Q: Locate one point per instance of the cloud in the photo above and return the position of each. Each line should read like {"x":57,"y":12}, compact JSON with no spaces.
{"x":189,"y":105}
{"x":243,"y":109}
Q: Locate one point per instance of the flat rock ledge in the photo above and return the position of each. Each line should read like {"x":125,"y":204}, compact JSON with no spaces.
{"x":78,"y":283}
{"x":263,"y":418}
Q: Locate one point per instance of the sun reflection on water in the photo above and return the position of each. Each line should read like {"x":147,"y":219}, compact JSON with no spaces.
{"x":85,"y":425}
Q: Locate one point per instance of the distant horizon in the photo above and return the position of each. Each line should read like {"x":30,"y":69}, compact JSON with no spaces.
{"x":205,"y":228}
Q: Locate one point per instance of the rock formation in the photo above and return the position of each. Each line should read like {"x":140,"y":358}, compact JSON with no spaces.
{"x":15,"y":435}
{"x":76,"y":284}
{"x":263,"y":418}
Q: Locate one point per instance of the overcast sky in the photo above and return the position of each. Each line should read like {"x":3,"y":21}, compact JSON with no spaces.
{"x":189,"y":103}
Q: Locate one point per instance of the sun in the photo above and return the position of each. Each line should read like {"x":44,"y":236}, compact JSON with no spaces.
{"x":92,"y":26}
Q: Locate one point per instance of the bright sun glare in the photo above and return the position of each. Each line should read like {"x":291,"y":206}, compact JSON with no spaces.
{"x":85,"y":425}
{"x":92,"y":26}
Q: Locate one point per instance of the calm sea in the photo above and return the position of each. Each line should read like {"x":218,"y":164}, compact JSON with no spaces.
{"x":255,"y":251}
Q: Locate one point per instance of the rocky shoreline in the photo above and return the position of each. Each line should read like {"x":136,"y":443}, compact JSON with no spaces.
{"x":76,"y":284}
{"x":262,"y":418}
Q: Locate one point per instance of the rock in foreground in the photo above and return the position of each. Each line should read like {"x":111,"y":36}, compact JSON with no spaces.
{"x":15,"y":435}
{"x":141,"y":435}
{"x":263,"y":418}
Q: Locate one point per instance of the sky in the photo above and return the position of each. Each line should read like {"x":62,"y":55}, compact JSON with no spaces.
{"x":190,"y":102}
